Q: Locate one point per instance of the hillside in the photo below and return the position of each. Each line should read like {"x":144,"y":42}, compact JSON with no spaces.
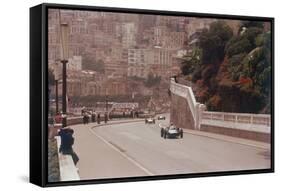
{"x":232,"y":72}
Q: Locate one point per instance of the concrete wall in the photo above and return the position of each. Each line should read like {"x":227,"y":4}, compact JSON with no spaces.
{"x":252,"y":135}
{"x":74,"y":120}
{"x":189,"y":114}
{"x":181,"y":115}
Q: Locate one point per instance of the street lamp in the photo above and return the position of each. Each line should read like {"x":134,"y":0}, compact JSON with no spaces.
{"x":106,"y":116}
{"x":65,"y":51}
{"x":56,"y":73}
{"x":106,"y":100}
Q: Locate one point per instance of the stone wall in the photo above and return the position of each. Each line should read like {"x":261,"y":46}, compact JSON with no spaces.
{"x":252,"y":135}
{"x":188,"y":114}
{"x":181,"y":115}
{"x":74,"y":120}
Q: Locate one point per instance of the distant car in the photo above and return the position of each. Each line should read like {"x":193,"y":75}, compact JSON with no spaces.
{"x":171,"y":132}
{"x":161,"y":117}
{"x":150,"y":121}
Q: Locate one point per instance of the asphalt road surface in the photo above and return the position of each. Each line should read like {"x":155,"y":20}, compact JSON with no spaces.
{"x":136,"y":149}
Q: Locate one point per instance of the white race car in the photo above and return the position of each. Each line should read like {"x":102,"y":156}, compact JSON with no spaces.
{"x":161,"y":117}
{"x":171,"y":132}
{"x":150,"y":121}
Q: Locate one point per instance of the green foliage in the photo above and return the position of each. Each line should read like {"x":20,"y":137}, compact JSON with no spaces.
{"x":213,"y":41}
{"x":250,"y":24}
{"x":192,"y":61}
{"x":249,"y":67}
{"x":234,"y":72}
{"x":235,"y":65}
{"x":238,"y":45}
{"x":152,"y":81}
{"x":90,"y":63}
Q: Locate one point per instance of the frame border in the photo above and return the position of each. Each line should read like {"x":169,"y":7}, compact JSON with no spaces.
{"x":43,"y":163}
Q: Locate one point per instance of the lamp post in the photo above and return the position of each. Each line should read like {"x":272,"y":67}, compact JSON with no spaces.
{"x":57,"y":97}
{"x":106,"y":115}
{"x":64,"y":43}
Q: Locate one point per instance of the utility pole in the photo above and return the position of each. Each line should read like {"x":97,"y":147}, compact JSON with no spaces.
{"x":64,"y":29}
{"x":57,"y":97}
{"x":64,"y":92}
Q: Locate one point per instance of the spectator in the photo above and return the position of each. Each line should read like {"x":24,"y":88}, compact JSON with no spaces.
{"x":98,"y":119}
{"x":105,"y":118}
{"x":58,"y":118}
{"x":93,"y":117}
{"x":84,"y":119}
{"x":67,"y":141}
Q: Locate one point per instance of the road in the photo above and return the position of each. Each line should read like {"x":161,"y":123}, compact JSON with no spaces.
{"x":136,"y":149}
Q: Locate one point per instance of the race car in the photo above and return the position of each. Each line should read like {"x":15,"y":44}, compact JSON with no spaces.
{"x":150,"y":121}
{"x":171,"y":132}
{"x":161,"y":117}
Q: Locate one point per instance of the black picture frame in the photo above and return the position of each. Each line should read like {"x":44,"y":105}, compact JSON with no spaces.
{"x":39,"y":93}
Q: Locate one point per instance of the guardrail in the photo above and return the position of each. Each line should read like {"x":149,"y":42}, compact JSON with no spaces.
{"x":253,"y":122}
{"x":74,"y":120}
{"x":185,"y":92}
{"x":248,"y":118}
{"x":68,"y":170}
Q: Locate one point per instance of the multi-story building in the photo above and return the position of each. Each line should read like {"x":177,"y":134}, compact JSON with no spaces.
{"x":128,"y":34}
{"x":75,"y":63}
{"x":138,"y":62}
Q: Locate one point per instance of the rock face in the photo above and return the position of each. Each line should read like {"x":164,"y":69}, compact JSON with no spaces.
{"x":181,"y":115}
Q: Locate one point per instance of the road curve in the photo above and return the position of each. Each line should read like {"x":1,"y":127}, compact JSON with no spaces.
{"x":136,"y":149}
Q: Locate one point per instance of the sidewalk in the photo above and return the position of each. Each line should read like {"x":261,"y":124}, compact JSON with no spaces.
{"x":237,"y":140}
{"x":115,"y":121}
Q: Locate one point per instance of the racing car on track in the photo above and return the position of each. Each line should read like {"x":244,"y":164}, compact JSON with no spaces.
{"x":161,"y":117}
{"x":171,"y":132}
{"x":150,"y":120}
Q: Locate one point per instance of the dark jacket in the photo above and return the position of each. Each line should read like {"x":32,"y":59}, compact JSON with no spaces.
{"x":67,"y":141}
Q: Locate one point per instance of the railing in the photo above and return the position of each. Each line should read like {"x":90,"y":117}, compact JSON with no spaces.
{"x":246,"y":118}
{"x":185,"y":92}
{"x":253,"y":122}
{"x":68,"y":170}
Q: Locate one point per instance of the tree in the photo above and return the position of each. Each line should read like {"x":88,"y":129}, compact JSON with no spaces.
{"x":191,"y":61}
{"x":249,"y":67}
{"x":152,"y":81}
{"x":234,"y":72}
{"x":90,"y":63}
{"x":213,"y":41}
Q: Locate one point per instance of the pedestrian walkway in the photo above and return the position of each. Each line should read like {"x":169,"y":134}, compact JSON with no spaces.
{"x":115,"y":121}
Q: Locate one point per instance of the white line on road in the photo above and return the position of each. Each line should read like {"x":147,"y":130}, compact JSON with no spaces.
{"x":123,"y":154}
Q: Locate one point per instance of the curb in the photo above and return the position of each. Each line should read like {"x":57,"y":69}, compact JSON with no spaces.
{"x":117,"y":122}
